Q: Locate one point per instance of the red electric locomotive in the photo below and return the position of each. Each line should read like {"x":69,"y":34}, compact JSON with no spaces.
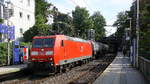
{"x":59,"y":50}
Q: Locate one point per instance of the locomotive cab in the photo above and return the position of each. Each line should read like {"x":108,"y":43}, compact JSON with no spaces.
{"x":58,"y":50}
{"x":42,"y":49}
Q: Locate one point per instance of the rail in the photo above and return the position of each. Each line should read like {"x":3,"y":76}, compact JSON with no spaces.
{"x":144,"y":66}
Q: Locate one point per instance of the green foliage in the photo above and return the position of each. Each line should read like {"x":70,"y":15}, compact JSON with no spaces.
{"x":3,"y":52}
{"x":63,"y":18}
{"x":42,"y":9}
{"x":77,"y":25}
{"x":24,"y":44}
{"x":1,"y":21}
{"x":40,"y":19}
{"x":144,"y":49}
{"x":3,"y":55}
{"x":29,"y":34}
{"x":121,"y":23}
{"x":99,"y":23}
{"x":40,"y":27}
{"x":145,"y":18}
{"x":81,"y":21}
{"x":62,"y":24}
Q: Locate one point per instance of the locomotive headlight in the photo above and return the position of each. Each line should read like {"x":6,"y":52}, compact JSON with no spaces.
{"x":33,"y":59}
{"x":49,"y":52}
{"x":50,"y":59}
{"x":34,"y":53}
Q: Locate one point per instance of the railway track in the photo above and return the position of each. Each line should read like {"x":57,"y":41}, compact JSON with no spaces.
{"x":84,"y":74}
{"x":95,"y":71}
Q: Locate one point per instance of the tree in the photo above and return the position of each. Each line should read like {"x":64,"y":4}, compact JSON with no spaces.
{"x":63,"y":24}
{"x":1,"y":21}
{"x":144,"y":41}
{"x":99,"y":23}
{"x":41,"y":14}
{"x":121,"y":23}
{"x":81,"y":22}
{"x":29,"y":34}
{"x":145,"y":18}
{"x":42,"y":27}
{"x":43,"y":9}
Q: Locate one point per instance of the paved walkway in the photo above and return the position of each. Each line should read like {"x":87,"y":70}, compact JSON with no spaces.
{"x":11,"y":69}
{"x":120,"y":71}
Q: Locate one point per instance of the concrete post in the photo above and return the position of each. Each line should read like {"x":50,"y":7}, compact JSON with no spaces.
{"x":137,"y":32}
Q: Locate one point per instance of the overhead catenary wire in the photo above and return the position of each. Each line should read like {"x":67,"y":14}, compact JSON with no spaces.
{"x":88,"y":5}
{"x":84,"y":1}
{"x":74,"y":2}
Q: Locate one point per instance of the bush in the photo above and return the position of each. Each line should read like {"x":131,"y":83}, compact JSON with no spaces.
{"x":25,"y":44}
{"x":144,"y":42}
{"x":3,"y":52}
{"x":1,"y":21}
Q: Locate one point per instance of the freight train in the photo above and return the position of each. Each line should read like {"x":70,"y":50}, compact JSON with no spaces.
{"x":57,"y":52}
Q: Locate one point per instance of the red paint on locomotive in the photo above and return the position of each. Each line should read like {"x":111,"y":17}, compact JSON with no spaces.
{"x":59,"y":49}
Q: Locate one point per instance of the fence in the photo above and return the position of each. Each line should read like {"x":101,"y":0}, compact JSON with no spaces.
{"x":144,"y":66}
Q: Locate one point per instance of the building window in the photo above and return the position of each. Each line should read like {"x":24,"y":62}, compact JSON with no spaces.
{"x":28,"y":16}
{"x":21,"y":30}
{"x":20,"y":14}
{"x":28,"y":2}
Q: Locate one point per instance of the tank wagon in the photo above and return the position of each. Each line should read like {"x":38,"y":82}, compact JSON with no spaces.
{"x":99,"y":49}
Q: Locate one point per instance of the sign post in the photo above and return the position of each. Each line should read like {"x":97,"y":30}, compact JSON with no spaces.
{"x":16,"y":57}
{"x":7,"y":33}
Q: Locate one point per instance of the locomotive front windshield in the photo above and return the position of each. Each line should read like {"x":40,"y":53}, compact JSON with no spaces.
{"x":43,"y":43}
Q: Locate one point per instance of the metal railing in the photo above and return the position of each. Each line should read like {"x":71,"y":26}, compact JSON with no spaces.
{"x":144,"y":66}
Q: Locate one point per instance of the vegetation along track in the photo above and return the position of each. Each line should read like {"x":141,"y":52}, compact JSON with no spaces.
{"x":84,"y":74}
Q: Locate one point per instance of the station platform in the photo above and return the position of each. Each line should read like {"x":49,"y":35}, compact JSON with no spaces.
{"x":10,"y":69}
{"x":120,"y":71}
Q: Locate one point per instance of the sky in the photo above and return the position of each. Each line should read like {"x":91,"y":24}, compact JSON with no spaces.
{"x":108,"y":8}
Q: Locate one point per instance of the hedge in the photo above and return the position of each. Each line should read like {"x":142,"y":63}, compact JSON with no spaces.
{"x":3,"y":52}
